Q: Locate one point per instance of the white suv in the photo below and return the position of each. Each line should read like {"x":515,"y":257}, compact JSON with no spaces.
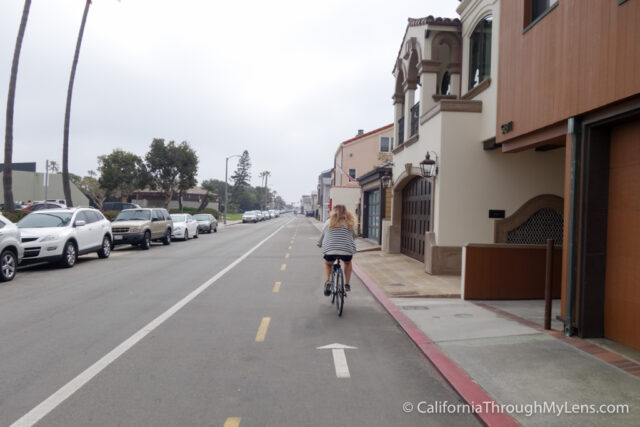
{"x":61,"y":235}
{"x":10,"y":249}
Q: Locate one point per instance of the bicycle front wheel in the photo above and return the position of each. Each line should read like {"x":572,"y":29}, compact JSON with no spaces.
{"x":339,"y":292}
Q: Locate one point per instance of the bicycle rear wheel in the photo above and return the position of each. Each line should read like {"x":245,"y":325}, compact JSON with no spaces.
{"x":339,"y":292}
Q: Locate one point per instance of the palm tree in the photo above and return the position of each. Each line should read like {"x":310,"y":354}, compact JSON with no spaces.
{"x":7,"y":177}
{"x":67,"y":115}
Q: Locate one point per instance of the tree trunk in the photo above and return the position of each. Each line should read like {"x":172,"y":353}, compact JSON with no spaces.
{"x":204,"y":202}
{"x":67,"y":115}
{"x":180,"y":200}
{"x":7,"y":176}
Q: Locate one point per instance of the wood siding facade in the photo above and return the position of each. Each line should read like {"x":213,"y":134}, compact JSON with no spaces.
{"x":580,"y":56}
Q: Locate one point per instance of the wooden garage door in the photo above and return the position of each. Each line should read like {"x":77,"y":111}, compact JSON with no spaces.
{"x":622,"y":283}
{"x":416,"y":208}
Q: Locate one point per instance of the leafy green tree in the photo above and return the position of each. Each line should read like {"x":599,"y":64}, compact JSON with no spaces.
{"x":187,"y":160}
{"x":121,"y":173}
{"x":214,"y":186}
{"x":90,"y":187}
{"x":7,"y":176}
{"x":241,"y":178}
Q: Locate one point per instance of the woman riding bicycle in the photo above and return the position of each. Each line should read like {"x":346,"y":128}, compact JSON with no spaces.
{"x":337,"y":242}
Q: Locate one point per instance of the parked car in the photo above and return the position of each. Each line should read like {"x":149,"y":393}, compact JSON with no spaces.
{"x":139,"y":227}
{"x":61,"y":235}
{"x":62,"y":202}
{"x":206,"y":223}
{"x":274,"y":213}
{"x":250,"y":216}
{"x":184,"y":226}
{"x":266,"y":214}
{"x":11,"y":251}
{"x":118,"y":206}
{"x":38,"y":206}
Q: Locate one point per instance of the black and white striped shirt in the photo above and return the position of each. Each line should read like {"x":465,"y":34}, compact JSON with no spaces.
{"x":337,"y":241}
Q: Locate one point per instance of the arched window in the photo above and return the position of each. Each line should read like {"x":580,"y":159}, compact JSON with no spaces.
{"x":480,"y":52}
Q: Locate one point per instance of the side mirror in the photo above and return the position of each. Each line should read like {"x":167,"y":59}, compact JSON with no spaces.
{"x":81,"y":223}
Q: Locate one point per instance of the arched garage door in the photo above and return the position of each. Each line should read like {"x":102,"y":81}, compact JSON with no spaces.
{"x":416,"y":209}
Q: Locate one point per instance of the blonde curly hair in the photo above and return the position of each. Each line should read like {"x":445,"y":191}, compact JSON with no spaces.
{"x":341,"y":217}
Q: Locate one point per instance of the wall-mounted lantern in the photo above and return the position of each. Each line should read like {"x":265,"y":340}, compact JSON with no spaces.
{"x":429,"y":166}
{"x":386,"y":180}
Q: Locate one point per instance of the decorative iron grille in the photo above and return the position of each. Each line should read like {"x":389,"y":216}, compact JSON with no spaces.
{"x":542,"y":225}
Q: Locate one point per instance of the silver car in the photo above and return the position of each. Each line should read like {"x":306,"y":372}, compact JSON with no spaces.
{"x":11,"y":251}
{"x":207,"y":223}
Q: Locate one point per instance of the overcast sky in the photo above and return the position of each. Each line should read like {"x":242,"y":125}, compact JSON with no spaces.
{"x":287,"y":80}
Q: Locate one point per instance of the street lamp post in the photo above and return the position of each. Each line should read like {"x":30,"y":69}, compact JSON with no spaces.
{"x":226,"y":185}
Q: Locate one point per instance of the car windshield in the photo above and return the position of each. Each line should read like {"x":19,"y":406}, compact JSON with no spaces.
{"x":44,"y":220}
{"x":201,"y":217}
{"x":134,"y":215}
{"x":179,"y":218}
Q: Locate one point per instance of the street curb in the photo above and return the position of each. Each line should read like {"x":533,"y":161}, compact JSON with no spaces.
{"x":457,"y":378}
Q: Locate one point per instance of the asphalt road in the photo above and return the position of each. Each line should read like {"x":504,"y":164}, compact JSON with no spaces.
{"x":243,"y":350}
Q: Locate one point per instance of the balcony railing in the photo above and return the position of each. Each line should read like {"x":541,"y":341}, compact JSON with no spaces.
{"x":415,"y":117}
{"x":401,"y":131}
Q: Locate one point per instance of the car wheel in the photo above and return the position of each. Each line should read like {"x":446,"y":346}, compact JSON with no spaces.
{"x":8,"y":265}
{"x":105,"y":250}
{"x":186,"y":235}
{"x":146,"y":242}
{"x":215,"y":230}
{"x":210,"y":229}
{"x":195,"y":236}
{"x":69,"y":255}
{"x":166,"y":240}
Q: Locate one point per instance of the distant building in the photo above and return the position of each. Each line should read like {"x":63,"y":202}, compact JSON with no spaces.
{"x":192,"y":198}
{"x":31,"y":185}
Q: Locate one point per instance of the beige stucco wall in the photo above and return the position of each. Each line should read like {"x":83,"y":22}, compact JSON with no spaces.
{"x":31,"y":186}
{"x":362,"y":155}
{"x":348,"y":196}
{"x":471,"y":14}
{"x":472,"y":181}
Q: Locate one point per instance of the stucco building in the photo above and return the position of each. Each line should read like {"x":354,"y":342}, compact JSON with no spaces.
{"x":445,"y":105}
{"x":355,"y":157}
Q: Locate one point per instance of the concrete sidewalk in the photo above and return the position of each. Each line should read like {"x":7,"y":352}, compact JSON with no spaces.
{"x":502,"y":347}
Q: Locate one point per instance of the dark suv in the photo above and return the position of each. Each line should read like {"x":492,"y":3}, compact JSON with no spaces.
{"x":118,"y":206}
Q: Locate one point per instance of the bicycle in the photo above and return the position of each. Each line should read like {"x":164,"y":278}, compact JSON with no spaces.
{"x":337,"y":286}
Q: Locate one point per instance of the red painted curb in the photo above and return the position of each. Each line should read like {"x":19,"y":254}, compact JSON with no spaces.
{"x":459,"y":380}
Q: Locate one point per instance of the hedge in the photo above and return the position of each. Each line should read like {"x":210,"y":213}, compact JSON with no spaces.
{"x":194,"y":211}
{"x":15,"y":216}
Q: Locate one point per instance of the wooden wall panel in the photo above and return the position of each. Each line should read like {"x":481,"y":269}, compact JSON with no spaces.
{"x":622,"y":285}
{"x":509,"y":272}
{"x":582,"y":55}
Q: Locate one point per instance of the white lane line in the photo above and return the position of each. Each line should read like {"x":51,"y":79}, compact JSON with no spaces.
{"x":49,"y":404}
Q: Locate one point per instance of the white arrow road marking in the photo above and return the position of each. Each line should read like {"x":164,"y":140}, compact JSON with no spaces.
{"x":339,"y":358}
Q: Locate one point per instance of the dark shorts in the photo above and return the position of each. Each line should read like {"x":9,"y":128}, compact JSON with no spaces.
{"x":332,"y":258}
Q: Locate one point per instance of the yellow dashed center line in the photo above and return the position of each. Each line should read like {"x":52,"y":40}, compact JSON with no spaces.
{"x":286,"y":256}
{"x":276,"y":287}
{"x":284,"y":267}
{"x":232,"y":422}
{"x":262,"y":329}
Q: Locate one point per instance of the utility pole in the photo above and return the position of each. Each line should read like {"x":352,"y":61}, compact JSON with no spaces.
{"x":226,"y":185}
{"x":46,"y":181}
